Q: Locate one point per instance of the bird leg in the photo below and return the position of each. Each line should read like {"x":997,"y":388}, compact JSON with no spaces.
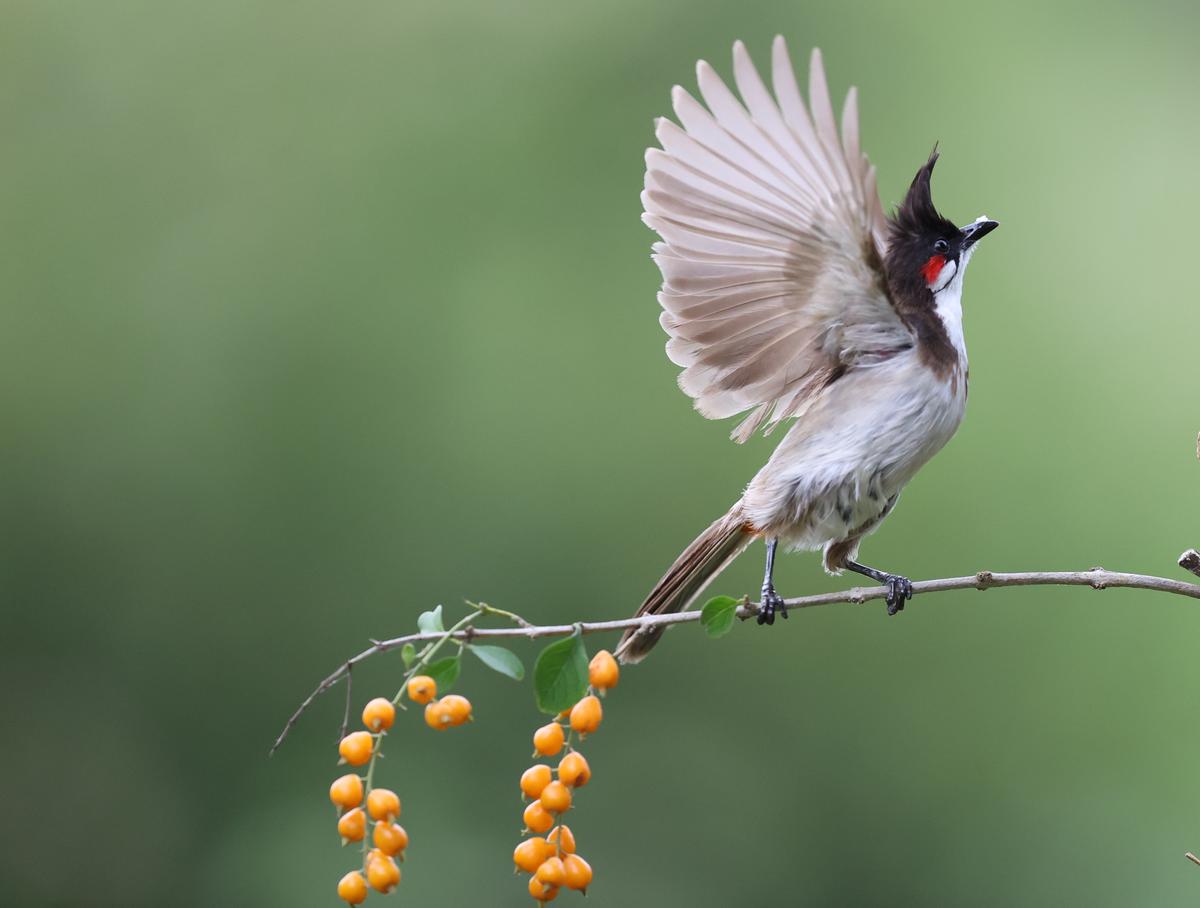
{"x":899,"y":588}
{"x":771,"y":602}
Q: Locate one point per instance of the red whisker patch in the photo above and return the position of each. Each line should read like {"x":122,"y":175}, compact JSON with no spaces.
{"x":933,"y":268}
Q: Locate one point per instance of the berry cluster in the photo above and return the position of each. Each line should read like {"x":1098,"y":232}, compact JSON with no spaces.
{"x":361,"y":748}
{"x":551,"y":860}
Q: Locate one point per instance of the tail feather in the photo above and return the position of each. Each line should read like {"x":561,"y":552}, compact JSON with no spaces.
{"x":686,"y":579}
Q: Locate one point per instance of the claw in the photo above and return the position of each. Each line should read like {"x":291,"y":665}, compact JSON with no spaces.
{"x":899,"y":591}
{"x":771,"y":603}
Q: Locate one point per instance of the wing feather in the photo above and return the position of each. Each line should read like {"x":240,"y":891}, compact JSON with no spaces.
{"x":696,"y":241}
{"x":733,"y":120}
{"x":822,"y":114}
{"x":686,"y":307}
{"x":771,"y":237}
{"x":766,"y":114}
{"x":703,"y":169}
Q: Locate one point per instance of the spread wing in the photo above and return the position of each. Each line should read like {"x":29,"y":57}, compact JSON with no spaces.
{"x":772,"y":243}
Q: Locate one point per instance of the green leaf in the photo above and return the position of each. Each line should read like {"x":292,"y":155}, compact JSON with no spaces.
{"x":444,"y":672}
{"x":560,"y":675}
{"x":500,"y":659}
{"x":408,"y":653}
{"x":431,"y":622}
{"x":718,"y":614}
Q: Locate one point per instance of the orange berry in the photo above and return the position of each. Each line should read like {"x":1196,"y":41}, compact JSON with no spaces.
{"x":556,"y":797}
{"x":534,"y":779}
{"x":548,"y":740}
{"x":586,"y":715}
{"x":541,"y":891}
{"x":390,"y":838}
{"x":437,"y":716}
{"x":353,"y":826}
{"x":551,"y":872}
{"x":422,"y":689}
{"x":383,"y":804}
{"x":382,"y":872}
{"x":603,"y":671}
{"x":356,"y":748}
{"x":352,"y":888}
{"x":379,"y":714}
{"x":562,"y":839}
{"x":537,"y":818}
{"x":577,"y":871}
{"x":346,"y":791}
{"x":528,"y":856}
{"x":457,"y":707}
{"x":573,"y":770}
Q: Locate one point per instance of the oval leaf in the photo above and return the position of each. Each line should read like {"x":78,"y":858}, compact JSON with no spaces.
{"x":444,"y":672}
{"x":431,"y":622}
{"x":718,"y":614}
{"x":408,"y":653}
{"x":500,"y":659}
{"x":560,"y":675}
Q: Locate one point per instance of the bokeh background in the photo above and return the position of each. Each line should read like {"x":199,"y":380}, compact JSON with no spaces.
{"x":317,"y":315}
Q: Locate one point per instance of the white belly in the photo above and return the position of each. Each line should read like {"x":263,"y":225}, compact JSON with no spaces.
{"x":848,"y":455}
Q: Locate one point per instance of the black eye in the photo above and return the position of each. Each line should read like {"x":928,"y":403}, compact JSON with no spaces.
{"x":941,"y":247}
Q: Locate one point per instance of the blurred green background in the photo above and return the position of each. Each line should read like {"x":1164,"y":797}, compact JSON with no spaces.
{"x":317,"y":315}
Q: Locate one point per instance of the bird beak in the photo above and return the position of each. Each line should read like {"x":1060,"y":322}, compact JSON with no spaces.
{"x":973,"y":233}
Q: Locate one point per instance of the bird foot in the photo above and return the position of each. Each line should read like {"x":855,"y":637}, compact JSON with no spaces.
{"x":899,"y":591}
{"x":771,"y":603}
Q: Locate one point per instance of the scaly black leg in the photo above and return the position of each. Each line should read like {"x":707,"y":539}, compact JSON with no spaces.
{"x":771,"y":602}
{"x":899,"y":588}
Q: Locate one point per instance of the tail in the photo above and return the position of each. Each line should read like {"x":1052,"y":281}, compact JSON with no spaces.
{"x":686,"y":579}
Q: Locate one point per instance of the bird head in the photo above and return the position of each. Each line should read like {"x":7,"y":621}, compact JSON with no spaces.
{"x":927,"y":253}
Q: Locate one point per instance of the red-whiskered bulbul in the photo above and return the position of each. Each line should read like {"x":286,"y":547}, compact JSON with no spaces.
{"x":787,"y":292}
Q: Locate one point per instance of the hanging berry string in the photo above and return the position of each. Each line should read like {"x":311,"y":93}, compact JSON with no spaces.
{"x":549,"y":855}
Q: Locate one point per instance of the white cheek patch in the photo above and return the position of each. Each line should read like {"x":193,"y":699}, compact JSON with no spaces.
{"x":945,"y":276}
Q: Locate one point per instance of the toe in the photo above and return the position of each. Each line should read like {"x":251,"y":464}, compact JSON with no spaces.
{"x":895,"y":595}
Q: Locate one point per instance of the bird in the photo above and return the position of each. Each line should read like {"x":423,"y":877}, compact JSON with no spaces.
{"x":789,"y":296}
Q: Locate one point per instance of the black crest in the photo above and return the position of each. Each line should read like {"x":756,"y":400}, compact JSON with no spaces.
{"x":917,"y":217}
{"x":912,"y":230}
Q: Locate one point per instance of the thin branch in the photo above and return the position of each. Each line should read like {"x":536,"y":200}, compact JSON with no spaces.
{"x":1097,"y":579}
{"x":349,"y":692}
{"x":1191,"y":857}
